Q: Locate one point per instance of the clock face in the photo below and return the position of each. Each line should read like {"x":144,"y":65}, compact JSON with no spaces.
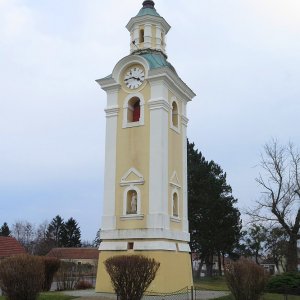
{"x":134,"y":77}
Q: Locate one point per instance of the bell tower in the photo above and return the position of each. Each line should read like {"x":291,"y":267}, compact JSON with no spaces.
{"x":145,"y":180}
{"x":148,"y":29}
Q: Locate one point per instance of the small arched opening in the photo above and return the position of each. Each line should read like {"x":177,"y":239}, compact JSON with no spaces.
{"x":174,"y":114}
{"x":134,"y":110}
{"x":175,"y":205}
{"x":142,"y":36}
{"x":131,"y":202}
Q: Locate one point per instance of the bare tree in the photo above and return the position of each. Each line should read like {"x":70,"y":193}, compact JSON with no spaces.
{"x":280,"y":181}
{"x":131,"y":275}
{"x":24,"y":232}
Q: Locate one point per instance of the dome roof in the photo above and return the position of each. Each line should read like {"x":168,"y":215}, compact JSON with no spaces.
{"x":148,"y":9}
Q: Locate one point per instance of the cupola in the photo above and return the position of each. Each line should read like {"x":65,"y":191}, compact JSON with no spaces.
{"x":148,"y":30}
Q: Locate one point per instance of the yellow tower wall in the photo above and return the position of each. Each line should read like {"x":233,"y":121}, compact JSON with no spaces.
{"x":174,"y":273}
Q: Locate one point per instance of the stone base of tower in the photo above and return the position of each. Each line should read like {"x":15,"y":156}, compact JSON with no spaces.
{"x":174,"y":273}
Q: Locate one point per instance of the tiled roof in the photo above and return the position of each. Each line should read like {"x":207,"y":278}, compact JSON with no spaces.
{"x":74,"y":253}
{"x":9,"y":246}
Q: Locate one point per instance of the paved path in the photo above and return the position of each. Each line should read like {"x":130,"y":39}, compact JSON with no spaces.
{"x":92,"y":295}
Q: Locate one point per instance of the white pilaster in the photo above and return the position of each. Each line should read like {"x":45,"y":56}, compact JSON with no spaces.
{"x":147,"y":36}
{"x":158,"y":37}
{"x":112,"y":110}
{"x":158,"y":177}
{"x":184,"y":175}
{"x":136,"y":38}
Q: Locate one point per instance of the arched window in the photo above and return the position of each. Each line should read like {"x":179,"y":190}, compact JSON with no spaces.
{"x":136,"y":111}
{"x":142,"y":36}
{"x":175,"y":205}
{"x":133,"y":110}
{"x":131,"y":203}
{"x":162,"y":39}
{"x":174,"y":114}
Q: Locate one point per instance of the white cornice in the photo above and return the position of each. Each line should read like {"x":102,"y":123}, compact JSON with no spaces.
{"x":126,"y":234}
{"x":159,"y":103}
{"x":184,"y":121}
{"x":112,"y":111}
{"x":148,"y":19}
{"x":173,"y":80}
{"x":108,"y":84}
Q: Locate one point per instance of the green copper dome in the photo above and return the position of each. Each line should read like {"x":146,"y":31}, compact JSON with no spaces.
{"x":157,"y":60}
{"x":148,"y":9}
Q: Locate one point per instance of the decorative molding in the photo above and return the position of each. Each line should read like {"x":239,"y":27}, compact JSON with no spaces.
{"x":139,"y":178}
{"x":184,"y":247}
{"x":184,"y":121}
{"x":175,"y":219}
{"x":127,"y":234}
{"x":174,"y":181}
{"x":112,"y":111}
{"x":159,"y":103}
{"x":108,"y":84}
{"x":115,"y":246}
{"x":125,"y":62}
{"x":155,"y":245}
{"x":145,"y":245}
{"x":135,"y":21}
{"x":132,"y":217}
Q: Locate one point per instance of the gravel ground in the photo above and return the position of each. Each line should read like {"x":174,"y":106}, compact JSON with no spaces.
{"x":92,"y":295}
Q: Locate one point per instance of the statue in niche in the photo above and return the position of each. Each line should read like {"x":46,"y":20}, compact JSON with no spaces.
{"x":175,"y":205}
{"x":133,"y":203}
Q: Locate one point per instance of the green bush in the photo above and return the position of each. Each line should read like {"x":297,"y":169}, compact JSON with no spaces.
{"x":51,"y":265}
{"x":22,"y":277}
{"x":288,"y":283}
{"x":246,"y":280}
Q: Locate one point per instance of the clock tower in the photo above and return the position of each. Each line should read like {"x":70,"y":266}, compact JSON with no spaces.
{"x":145,"y":181}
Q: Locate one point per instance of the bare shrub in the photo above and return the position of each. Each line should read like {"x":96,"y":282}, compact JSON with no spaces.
{"x":83,"y":285}
{"x":67,"y":275}
{"x":131,"y":275}
{"x":51,"y":265}
{"x":245,"y":279}
{"x":22,"y":277}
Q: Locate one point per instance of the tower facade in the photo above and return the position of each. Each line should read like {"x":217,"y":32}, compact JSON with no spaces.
{"x":145,"y":184}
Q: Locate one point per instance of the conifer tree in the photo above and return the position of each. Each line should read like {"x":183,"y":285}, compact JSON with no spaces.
{"x":215,"y":223}
{"x":71,"y":236}
{"x":4,"y":230}
{"x":54,"y":231}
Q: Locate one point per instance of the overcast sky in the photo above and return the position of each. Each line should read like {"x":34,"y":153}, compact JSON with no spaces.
{"x":241,"y":58}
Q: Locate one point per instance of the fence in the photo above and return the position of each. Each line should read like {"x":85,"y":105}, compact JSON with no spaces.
{"x":194,"y":293}
{"x":184,"y":294}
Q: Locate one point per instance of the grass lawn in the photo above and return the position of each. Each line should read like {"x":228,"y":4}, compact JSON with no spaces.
{"x":219,"y":284}
{"x":211,"y":284}
{"x":51,"y":296}
{"x":266,"y":297}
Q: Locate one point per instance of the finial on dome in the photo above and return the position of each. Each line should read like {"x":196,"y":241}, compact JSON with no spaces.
{"x":148,"y":4}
